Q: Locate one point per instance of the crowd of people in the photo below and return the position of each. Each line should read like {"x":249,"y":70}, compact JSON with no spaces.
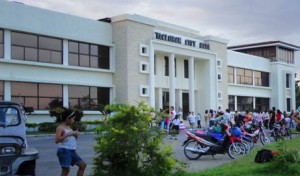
{"x":265,"y":118}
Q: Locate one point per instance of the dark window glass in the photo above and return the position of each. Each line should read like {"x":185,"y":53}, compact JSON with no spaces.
{"x":39,"y":96}
{"x":84,"y":61}
{"x":73,"y":47}
{"x":1,"y":36}
{"x":73,"y":59}
{"x":288,"y":77}
{"x":104,"y":57}
{"x":94,"y":50}
{"x":22,"y":39}
{"x":262,"y":104}
{"x":83,"y":48}
{"x":50,"y":43}
{"x":36,"y":48}
{"x":166,"y":66}
{"x":265,"y":79}
{"x":1,"y":90}
{"x":31,"y":54}
{"x":186,"y":69}
{"x":288,"y":105}
{"x":230,"y":75}
{"x":244,"y":103}
{"x":231,"y":103}
{"x":88,"y":98}
{"x":17,"y":52}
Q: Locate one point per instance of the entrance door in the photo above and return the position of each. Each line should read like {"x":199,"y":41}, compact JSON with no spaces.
{"x":185,"y":105}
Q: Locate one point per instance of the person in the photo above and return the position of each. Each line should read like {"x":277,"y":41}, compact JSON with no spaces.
{"x":181,"y":126}
{"x":206,"y":118}
{"x":211,"y":118}
{"x":192,"y":119}
{"x":176,"y":123}
{"x":66,"y":138}
{"x":199,"y":120}
{"x":179,"y":113}
{"x":266,"y":119}
{"x":247,"y":117}
{"x":295,"y":117}
{"x":272,"y":118}
{"x":291,"y":124}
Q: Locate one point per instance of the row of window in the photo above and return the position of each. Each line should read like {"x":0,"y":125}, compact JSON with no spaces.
{"x":186,"y":67}
{"x":31,"y":47}
{"x":44,"y":96}
{"x":246,"y":103}
{"x":248,"y":77}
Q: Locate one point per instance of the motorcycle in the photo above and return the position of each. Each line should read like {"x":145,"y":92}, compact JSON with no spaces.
{"x":212,"y":143}
{"x":255,"y":132}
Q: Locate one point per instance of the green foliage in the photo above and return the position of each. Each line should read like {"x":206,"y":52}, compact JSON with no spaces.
{"x":31,"y":125}
{"x":126,"y":145}
{"x":47,"y":127}
{"x":51,"y":126}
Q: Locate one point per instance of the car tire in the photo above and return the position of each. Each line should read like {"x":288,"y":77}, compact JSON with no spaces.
{"x":27,"y":168}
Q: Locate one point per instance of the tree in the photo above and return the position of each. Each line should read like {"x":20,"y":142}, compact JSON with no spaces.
{"x":126,"y":145}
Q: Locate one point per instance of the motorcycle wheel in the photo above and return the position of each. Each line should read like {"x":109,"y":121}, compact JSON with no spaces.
{"x":274,"y":135}
{"x":236,"y":150}
{"x":191,"y":154}
{"x":247,"y":146}
{"x":264,"y":139}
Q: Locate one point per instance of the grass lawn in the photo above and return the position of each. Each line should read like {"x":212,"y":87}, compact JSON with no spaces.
{"x":246,"y":166}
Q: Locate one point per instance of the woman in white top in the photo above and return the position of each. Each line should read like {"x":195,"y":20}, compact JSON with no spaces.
{"x":66,"y":138}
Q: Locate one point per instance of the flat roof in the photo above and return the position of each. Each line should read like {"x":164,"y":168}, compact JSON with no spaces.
{"x":265,"y":44}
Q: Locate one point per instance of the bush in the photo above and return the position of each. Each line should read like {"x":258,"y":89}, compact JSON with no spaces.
{"x":126,"y":145}
{"x":58,"y":111}
{"x":47,"y":126}
{"x":80,"y":126}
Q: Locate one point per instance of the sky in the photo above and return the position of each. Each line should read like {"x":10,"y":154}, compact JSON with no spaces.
{"x":239,"y":21}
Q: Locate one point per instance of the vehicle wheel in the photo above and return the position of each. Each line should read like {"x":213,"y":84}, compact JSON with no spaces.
{"x":190,"y":150}
{"x":247,"y":146}
{"x":274,"y":135}
{"x":264,"y":138}
{"x":250,"y":142}
{"x":236,"y":149}
{"x":27,"y":168}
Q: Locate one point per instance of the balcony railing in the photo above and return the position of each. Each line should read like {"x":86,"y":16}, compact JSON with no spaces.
{"x":288,"y":61}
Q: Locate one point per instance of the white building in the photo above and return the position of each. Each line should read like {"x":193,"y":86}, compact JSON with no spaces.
{"x":51,"y":57}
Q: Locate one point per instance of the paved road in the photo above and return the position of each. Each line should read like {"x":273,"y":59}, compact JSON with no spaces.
{"x":48,"y":165}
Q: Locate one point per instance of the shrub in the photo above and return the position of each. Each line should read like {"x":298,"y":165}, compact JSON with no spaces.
{"x":47,"y":126}
{"x":80,"y":126}
{"x":126,"y":145}
{"x":58,"y":111}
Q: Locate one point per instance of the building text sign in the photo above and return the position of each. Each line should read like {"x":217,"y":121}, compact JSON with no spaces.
{"x":180,"y":40}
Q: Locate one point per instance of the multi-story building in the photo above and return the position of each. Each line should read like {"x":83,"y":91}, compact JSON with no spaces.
{"x":48,"y":57}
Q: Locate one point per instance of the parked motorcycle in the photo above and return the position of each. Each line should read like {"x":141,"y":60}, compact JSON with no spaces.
{"x":212,"y":143}
{"x":255,"y":131}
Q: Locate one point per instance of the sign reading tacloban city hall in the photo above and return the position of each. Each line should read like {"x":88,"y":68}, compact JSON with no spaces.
{"x":180,"y":40}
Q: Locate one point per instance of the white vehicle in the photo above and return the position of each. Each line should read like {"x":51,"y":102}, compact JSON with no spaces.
{"x":15,"y":155}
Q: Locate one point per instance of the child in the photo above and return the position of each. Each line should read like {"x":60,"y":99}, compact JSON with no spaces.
{"x":181,"y":126}
{"x":66,"y":139}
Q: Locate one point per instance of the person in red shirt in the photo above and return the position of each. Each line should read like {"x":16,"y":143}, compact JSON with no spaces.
{"x":247,"y":117}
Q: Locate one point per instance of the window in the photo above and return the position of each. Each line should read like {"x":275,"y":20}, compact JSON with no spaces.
{"x":230,"y":75}
{"x":144,"y":91}
{"x":288,"y":104}
{"x":186,"y":69}
{"x":88,"y":55}
{"x":231,"y":103}
{"x":244,"y":76}
{"x":244,"y":103}
{"x":288,"y":82}
{"x":1,"y":44}
{"x":88,"y":98}
{"x":36,"y":48}
{"x":144,"y":68}
{"x":262,"y":104}
{"x":1,"y":90}
{"x":219,"y":63}
{"x":219,"y":95}
{"x":219,"y":76}
{"x":261,"y":79}
{"x":166,"y":66}
{"x":143,"y":50}
{"x":39,"y":96}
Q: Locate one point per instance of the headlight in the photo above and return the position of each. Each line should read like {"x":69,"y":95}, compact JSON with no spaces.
{"x":8,"y":150}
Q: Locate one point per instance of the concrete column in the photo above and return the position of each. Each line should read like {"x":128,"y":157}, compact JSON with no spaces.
{"x":254,"y":104}
{"x":65,"y":52}
{"x":172,"y":79}
{"x":7,"y":91}
{"x":235,"y":103}
{"x":151,"y":76}
{"x":191,"y":84}
{"x":178,"y":99}
{"x":160,"y":99}
{"x":7,"y":44}
{"x":65,"y":96}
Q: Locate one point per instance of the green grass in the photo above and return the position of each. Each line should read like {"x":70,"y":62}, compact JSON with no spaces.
{"x":247,"y":167}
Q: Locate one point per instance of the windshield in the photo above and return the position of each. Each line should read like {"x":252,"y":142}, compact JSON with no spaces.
{"x":9,"y":116}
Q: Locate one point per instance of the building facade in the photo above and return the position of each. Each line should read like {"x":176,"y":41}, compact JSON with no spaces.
{"x":56,"y":58}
